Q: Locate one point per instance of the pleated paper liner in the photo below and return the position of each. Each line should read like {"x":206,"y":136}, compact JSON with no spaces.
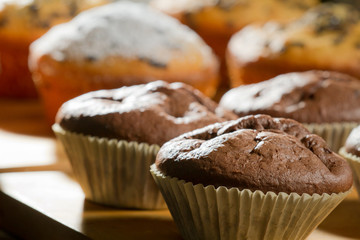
{"x":113,"y":172}
{"x":335,"y":134}
{"x":221,"y":213}
{"x":354,"y":162}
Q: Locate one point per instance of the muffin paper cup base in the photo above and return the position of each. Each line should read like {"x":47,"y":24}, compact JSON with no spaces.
{"x":113,"y":172}
{"x":354,"y":162}
{"x":335,"y":134}
{"x":208,"y":213}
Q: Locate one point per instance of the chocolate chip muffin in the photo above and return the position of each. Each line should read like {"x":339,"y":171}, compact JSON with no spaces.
{"x":228,"y":174}
{"x":217,"y":21}
{"x":120,"y":44}
{"x":112,"y":137}
{"x":328,"y":102}
{"x":325,"y":38}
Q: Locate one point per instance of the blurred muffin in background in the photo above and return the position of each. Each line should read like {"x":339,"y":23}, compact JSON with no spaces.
{"x":354,"y":3}
{"x":325,"y":38}
{"x":217,"y":20}
{"x":120,"y":44}
{"x":22,"y":22}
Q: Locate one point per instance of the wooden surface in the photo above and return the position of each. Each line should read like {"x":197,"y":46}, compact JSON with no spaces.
{"x":39,"y":199}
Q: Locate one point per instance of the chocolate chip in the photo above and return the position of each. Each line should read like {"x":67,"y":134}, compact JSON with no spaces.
{"x":73,"y":9}
{"x":153,"y":62}
{"x":90,"y":59}
{"x":339,"y":38}
{"x":34,"y":8}
{"x":44,"y":24}
{"x":258,"y":94}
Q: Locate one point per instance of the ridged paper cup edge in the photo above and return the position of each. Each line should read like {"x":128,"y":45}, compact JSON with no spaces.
{"x":222,"y":213}
{"x":335,"y":134}
{"x":112,"y":172}
{"x":354,"y":163}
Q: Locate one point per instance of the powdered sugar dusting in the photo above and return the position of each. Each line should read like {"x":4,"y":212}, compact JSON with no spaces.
{"x":125,"y":29}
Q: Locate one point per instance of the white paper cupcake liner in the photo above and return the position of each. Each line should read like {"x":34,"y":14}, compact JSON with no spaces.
{"x":354,"y":162}
{"x":113,"y":172}
{"x":335,"y":134}
{"x":208,"y":213}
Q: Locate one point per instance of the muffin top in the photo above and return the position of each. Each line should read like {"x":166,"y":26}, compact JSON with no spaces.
{"x":352,"y":144}
{"x":127,"y":31}
{"x":308,"y":97}
{"x":35,"y":17}
{"x":231,"y":15}
{"x":152,"y":113}
{"x":257,"y":153}
{"x":310,"y":42}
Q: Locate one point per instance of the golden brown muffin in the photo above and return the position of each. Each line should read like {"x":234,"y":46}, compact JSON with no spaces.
{"x":325,"y":38}
{"x":217,"y":21}
{"x":21,"y":22}
{"x":120,"y":44}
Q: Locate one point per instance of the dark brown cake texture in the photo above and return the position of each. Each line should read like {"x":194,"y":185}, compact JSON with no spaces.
{"x":352,"y":144}
{"x":153,"y":113}
{"x":308,"y":97}
{"x":257,"y":153}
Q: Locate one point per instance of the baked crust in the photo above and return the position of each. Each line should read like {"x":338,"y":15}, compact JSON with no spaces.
{"x":325,"y":38}
{"x":257,"y":153}
{"x":119,"y":44}
{"x":152,"y":113}
{"x":308,"y":97}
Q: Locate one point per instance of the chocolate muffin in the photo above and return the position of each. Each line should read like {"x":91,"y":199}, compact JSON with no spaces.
{"x":251,"y":176}
{"x":321,"y":99}
{"x":153,"y":113}
{"x":257,"y":153}
{"x":112,"y":137}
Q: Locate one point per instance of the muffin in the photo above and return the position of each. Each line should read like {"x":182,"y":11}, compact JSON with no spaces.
{"x":111,"y":137}
{"x":351,"y":152}
{"x":120,"y":44}
{"x":217,"y":21}
{"x":325,"y":38}
{"x":326,"y":102}
{"x":22,"y":22}
{"x":253,"y":178}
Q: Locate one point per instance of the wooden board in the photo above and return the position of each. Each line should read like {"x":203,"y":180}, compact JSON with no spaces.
{"x":39,"y":199}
